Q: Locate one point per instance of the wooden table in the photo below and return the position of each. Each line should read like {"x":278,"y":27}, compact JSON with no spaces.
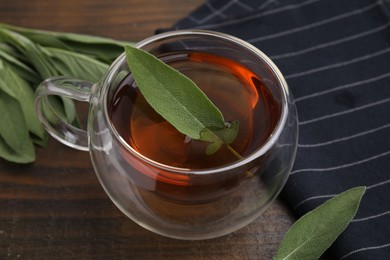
{"x":55,"y":208}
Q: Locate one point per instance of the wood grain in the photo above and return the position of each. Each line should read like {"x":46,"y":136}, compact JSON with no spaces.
{"x":55,"y":208}
{"x":130,"y":20}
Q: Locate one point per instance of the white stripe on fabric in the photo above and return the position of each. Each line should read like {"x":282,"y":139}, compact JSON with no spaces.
{"x":343,"y":87}
{"x":365,"y":160}
{"x":243,"y":5}
{"x":331,"y":43}
{"x":378,"y":184}
{"x":332,"y":195}
{"x":314,"y":198}
{"x":345,"y":138}
{"x":373,"y":104}
{"x":192,"y":19}
{"x":215,"y":12}
{"x":365,"y":249}
{"x":315,"y":24}
{"x":371,"y":217}
{"x":338,"y":64}
{"x":265,"y":4}
{"x":250,"y":17}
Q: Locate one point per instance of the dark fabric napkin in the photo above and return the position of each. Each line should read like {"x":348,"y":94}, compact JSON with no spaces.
{"x":335,"y":55}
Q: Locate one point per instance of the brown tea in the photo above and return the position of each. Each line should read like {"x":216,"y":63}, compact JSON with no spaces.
{"x":236,"y":91}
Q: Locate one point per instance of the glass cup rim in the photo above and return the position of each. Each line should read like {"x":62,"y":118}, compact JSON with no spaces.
{"x":117,"y":64}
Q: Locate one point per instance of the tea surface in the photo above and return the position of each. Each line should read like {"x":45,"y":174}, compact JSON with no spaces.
{"x":236,"y":91}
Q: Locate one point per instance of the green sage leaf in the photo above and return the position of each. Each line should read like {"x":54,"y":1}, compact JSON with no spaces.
{"x":11,"y":50}
{"x":28,"y":57}
{"x":42,"y":62}
{"x":19,"y":89}
{"x":104,"y":49}
{"x":69,"y":113}
{"x":219,"y":137}
{"x":77,"y":65}
{"x":20,"y":68}
{"x":173,"y":95}
{"x":178,"y":99}
{"x":33,"y":52}
{"x":25,"y":155}
{"x":314,"y":232}
{"x":58,"y":108}
{"x":13,"y":128}
{"x":7,"y":49}
{"x":40,"y":141}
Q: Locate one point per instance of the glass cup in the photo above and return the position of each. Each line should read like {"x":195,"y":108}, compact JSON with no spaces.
{"x":179,"y":202}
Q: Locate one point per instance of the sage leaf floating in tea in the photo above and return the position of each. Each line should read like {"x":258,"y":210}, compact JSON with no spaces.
{"x":314,"y":232}
{"x":179,"y":100}
{"x":218,"y":137}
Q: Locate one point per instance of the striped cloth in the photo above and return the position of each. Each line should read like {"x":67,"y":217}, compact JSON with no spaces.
{"x":335,"y":55}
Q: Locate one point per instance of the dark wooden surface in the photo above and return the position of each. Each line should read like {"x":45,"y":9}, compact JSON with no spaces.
{"x":55,"y":208}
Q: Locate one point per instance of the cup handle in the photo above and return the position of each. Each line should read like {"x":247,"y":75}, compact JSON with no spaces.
{"x":61,"y":130}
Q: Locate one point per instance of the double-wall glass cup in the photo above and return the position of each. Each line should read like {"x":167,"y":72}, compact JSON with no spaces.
{"x":174,"y":201}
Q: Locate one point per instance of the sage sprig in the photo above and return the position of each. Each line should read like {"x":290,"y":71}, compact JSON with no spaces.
{"x":314,"y":232}
{"x":179,"y":100}
{"x":103,"y":49}
{"x":29,"y":56}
